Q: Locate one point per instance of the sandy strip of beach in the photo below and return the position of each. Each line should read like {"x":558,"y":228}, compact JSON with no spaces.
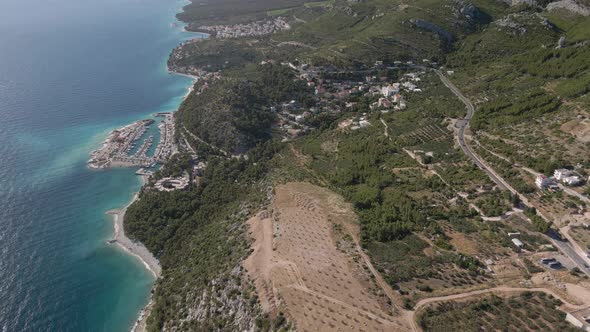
{"x":134,"y":248}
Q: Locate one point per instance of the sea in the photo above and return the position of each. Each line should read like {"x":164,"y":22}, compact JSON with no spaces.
{"x":71,"y":71}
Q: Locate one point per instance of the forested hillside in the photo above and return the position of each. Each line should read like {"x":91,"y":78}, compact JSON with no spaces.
{"x":234,"y":114}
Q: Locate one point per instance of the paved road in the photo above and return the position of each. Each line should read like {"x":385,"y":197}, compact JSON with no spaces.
{"x":462,"y":125}
{"x":568,"y":249}
{"x":563,"y":245}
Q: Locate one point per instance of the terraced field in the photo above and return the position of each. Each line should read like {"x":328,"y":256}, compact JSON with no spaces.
{"x":298,"y":269}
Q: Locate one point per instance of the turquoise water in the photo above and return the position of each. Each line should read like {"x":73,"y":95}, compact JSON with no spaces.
{"x":71,"y":71}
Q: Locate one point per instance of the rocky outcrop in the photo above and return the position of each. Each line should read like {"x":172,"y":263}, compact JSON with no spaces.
{"x":560,"y":43}
{"x":571,"y":6}
{"x":222,"y":298}
{"x":531,"y":3}
{"x":469,"y":11}
{"x":519,"y":24}
{"x":440,"y":32}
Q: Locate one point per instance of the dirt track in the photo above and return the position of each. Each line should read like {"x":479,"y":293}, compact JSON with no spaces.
{"x":297,"y":267}
{"x":496,"y":290}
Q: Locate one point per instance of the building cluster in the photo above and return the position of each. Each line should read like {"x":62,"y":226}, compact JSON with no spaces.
{"x":172,"y":184}
{"x":177,"y":62}
{"x":289,"y":120}
{"x":562,"y":175}
{"x":391,"y":97}
{"x":337,"y":90}
{"x":355,"y":123}
{"x":568,"y":177}
{"x":258,"y":28}
{"x":166,"y":146}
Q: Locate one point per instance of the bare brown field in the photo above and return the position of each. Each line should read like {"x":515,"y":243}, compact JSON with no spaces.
{"x":581,"y":235}
{"x":298,"y":269}
{"x":579,"y":128}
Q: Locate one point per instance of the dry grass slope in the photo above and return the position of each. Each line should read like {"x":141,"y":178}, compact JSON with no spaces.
{"x":298,"y":269}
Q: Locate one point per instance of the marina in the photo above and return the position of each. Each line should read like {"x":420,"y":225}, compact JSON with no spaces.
{"x":131,"y":146}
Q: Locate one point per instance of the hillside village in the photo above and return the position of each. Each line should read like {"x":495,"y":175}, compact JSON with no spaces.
{"x":258,"y":28}
{"x":336,"y":91}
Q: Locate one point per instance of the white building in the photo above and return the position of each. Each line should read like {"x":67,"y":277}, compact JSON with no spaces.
{"x":573,"y":180}
{"x":364,"y":123}
{"x":562,"y":173}
{"x":390,"y":90}
{"x":568,"y":177}
{"x":543,"y":182}
{"x":517,"y":243}
{"x":409,"y":85}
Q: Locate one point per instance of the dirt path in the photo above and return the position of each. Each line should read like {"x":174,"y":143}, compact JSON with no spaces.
{"x":500,"y":289}
{"x":295,"y":43}
{"x":385,"y":287}
{"x":195,"y":137}
{"x":429,"y":167}
{"x":386,"y":131}
{"x":496,"y":290}
{"x":389,"y":292}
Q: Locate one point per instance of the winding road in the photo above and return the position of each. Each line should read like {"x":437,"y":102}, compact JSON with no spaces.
{"x":461,"y":125}
{"x":564,"y":246}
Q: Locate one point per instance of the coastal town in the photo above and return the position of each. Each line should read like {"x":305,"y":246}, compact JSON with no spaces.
{"x":258,"y":28}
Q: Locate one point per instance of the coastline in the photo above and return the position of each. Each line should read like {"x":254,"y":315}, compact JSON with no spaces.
{"x":136,"y":248}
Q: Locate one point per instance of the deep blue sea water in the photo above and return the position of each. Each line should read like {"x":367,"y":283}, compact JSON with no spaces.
{"x":71,"y":71}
